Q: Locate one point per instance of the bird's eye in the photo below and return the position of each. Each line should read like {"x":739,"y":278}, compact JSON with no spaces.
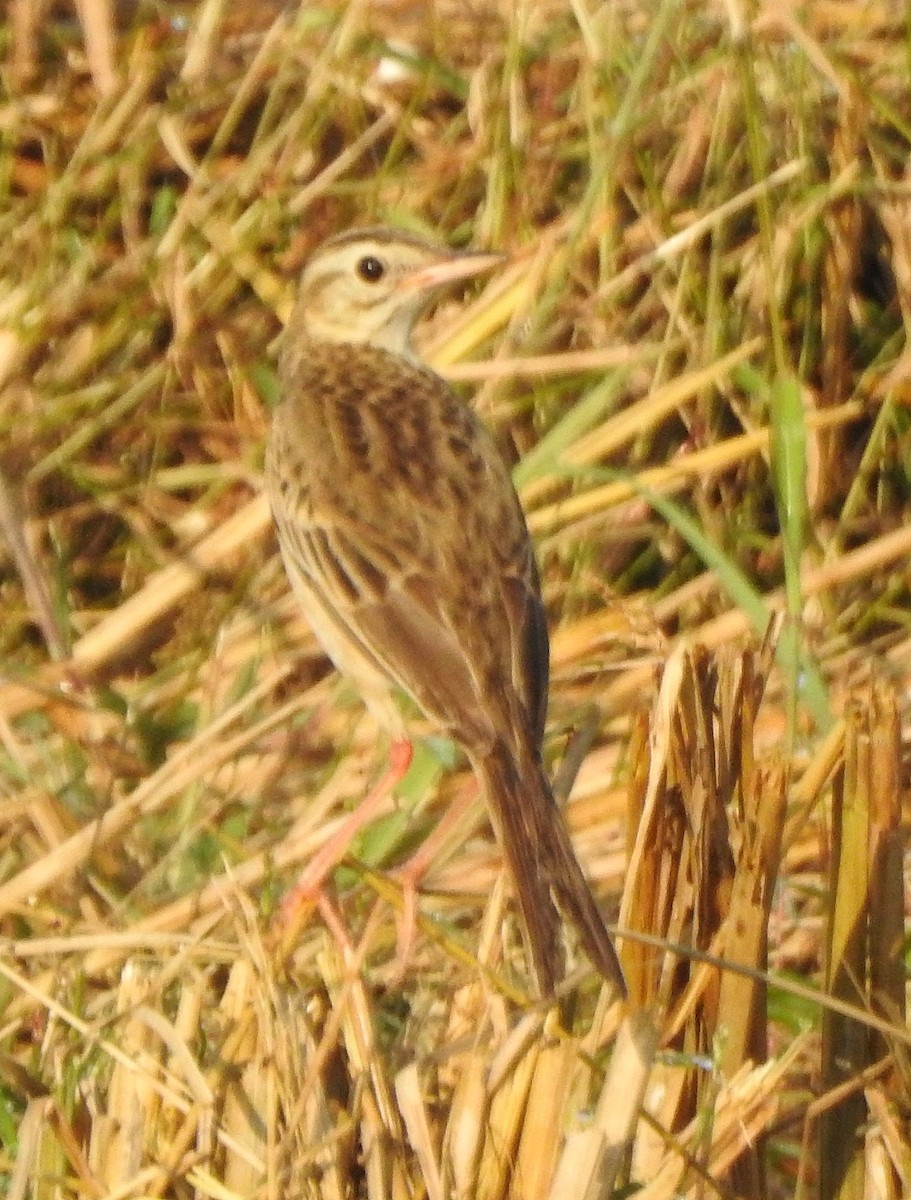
{"x":370,"y":268}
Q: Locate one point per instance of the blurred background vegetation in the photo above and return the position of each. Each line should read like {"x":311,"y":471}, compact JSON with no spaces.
{"x":696,"y":357}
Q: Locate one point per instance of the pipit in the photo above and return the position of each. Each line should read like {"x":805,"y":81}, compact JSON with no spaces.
{"x":407,"y":547}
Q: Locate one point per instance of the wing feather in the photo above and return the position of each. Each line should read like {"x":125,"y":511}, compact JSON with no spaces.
{"x":438,"y":594}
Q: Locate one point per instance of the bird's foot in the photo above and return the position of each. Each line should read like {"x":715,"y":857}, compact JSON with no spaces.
{"x":411,"y":875}
{"x":307,"y":893}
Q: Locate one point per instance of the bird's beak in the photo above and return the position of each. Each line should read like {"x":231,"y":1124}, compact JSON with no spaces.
{"x":448,"y":270}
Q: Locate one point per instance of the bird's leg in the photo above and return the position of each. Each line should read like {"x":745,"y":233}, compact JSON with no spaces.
{"x":307,"y":888}
{"x":410,"y":874}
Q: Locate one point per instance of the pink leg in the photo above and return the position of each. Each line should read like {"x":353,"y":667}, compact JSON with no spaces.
{"x":307,"y":888}
{"x":410,"y":874}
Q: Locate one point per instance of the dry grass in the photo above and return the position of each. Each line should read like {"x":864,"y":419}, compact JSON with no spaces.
{"x":697,"y":355}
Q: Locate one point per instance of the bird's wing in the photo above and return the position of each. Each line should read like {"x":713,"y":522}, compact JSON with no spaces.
{"x":452,"y":645}
{"x":414,"y":539}
{"x":374,"y":632}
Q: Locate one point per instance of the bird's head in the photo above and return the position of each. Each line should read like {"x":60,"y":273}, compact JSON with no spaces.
{"x":369,"y":286}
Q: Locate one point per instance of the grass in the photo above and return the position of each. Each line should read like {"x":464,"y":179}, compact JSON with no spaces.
{"x":695,"y":356}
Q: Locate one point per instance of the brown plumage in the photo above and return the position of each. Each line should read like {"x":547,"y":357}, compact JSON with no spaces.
{"x":407,"y":547}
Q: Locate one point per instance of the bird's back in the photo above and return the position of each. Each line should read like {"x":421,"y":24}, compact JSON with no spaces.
{"x":390,"y":491}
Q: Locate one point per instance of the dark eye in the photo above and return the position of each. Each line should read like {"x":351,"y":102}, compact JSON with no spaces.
{"x":370,"y":268}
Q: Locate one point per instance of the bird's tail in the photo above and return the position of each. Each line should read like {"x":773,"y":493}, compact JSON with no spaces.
{"x":548,"y":878}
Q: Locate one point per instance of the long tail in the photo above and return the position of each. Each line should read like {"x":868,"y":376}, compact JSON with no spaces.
{"x":548,"y":878}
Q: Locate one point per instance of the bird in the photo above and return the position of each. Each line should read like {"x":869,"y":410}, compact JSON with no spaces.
{"x":407,"y":548}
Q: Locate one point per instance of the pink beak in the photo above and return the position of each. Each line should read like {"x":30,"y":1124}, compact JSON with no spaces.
{"x":448,"y":270}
